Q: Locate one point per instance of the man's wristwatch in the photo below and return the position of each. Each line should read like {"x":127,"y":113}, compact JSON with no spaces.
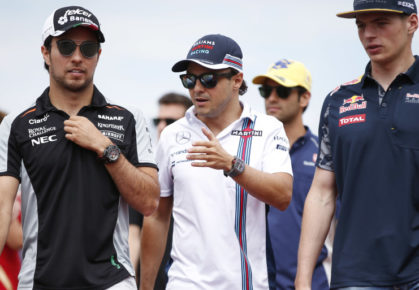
{"x":111,"y":154}
{"x":237,"y":167}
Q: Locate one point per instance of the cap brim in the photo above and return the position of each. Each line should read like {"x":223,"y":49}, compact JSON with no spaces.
{"x":260,"y":80}
{"x":94,"y":28}
{"x":352,"y":14}
{"x":182,"y":65}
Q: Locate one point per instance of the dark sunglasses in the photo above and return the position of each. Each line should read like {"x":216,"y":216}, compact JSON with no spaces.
{"x":168,"y":121}
{"x":87,"y":48}
{"x":281,"y":91}
{"x":208,"y":80}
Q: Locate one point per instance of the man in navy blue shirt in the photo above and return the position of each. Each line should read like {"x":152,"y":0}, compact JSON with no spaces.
{"x":286,"y":88}
{"x":369,"y":160}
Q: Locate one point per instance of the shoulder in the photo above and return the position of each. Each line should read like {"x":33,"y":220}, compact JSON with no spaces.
{"x":353,"y":85}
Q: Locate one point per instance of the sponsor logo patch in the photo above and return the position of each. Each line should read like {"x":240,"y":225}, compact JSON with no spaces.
{"x":110,"y":118}
{"x":247,"y":133}
{"x":33,"y":132}
{"x":40,"y":120}
{"x":412,"y":98}
{"x":43,"y":140}
{"x":111,"y":126}
{"x":113,"y":135}
{"x":183,"y":137}
{"x":352,"y":120}
{"x":352,"y":107}
{"x":352,"y":100}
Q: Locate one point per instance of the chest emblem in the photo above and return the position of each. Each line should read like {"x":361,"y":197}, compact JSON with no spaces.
{"x":354,"y":119}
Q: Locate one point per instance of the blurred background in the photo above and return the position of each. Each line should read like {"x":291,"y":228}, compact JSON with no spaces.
{"x":145,"y":38}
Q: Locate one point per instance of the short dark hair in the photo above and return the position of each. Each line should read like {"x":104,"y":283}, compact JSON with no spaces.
{"x":175,"y":98}
{"x":300,"y":92}
{"x":47,"y":44}
{"x":2,"y":115}
{"x":243,"y":87}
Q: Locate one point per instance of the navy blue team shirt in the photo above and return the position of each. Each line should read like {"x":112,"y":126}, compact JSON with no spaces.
{"x":372,"y":146}
{"x":285,"y":226}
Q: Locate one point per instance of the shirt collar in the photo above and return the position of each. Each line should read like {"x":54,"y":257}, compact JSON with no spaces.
{"x":308,"y":136}
{"x":246,"y":113}
{"x":43,"y":103}
{"x":412,"y":73}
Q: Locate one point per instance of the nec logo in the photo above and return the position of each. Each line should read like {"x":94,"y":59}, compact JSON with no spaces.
{"x":43,"y":140}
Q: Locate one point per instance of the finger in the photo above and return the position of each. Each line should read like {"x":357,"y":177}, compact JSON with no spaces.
{"x":197,"y":157}
{"x":198,"y":149}
{"x":208,"y":133}
{"x":202,"y":143}
{"x":199,"y":164}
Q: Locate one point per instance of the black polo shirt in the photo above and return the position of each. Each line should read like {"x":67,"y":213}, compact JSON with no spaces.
{"x":373,"y":148}
{"x":75,"y":221}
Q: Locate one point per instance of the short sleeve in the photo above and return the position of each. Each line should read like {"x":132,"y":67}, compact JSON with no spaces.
{"x":163,"y":162}
{"x":10,"y":159}
{"x":276,"y":154}
{"x":324,"y":157}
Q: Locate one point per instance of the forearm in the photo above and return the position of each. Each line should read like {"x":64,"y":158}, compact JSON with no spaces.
{"x":317,"y":216}
{"x":153,"y":243}
{"x":134,"y":245}
{"x":8,"y":190}
{"x":138,"y":186}
{"x":15,"y":236}
{"x":274,"y":189}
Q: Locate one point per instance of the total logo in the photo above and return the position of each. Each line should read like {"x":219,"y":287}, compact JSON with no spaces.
{"x":43,"y":140}
{"x":63,"y":19}
{"x":352,"y":120}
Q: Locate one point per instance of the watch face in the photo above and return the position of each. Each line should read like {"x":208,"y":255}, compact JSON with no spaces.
{"x":112,"y":153}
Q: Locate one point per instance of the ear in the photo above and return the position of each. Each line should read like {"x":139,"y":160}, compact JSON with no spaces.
{"x":305,"y":99}
{"x":237,"y":81}
{"x":98,"y":53}
{"x":412,"y":22}
{"x":46,"y":55}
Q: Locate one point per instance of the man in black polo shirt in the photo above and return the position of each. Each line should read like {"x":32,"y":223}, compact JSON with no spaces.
{"x":369,"y":159}
{"x":80,"y":159}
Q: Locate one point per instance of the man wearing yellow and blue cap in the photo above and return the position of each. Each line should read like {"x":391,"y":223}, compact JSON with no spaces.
{"x":369,"y":161}
{"x":286,"y":88}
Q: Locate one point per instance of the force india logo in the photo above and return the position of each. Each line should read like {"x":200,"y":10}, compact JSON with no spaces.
{"x":352,"y":120}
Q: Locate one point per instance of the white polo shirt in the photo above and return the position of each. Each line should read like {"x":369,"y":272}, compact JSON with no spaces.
{"x":219,"y":233}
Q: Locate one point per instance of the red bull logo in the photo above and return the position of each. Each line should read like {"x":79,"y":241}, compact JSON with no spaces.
{"x":353,"y":100}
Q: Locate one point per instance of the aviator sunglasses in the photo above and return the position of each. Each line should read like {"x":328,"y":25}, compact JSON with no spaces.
{"x":281,"y":91}
{"x":208,"y":80}
{"x":168,"y":121}
{"x":87,"y":48}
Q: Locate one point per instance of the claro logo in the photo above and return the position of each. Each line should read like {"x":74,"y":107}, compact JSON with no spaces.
{"x":43,"y":140}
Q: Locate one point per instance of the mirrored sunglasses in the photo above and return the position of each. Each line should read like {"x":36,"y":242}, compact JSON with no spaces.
{"x":208,"y":80}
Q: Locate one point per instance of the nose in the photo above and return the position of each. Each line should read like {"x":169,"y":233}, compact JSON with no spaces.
{"x":77,"y":55}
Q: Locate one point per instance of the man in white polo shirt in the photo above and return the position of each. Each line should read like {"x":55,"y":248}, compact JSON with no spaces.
{"x":218,"y":168}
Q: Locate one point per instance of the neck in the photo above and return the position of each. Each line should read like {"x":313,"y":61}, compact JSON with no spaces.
{"x":295,"y":130}
{"x":69,"y":101}
{"x":385,"y":73}
{"x":223,"y":120}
